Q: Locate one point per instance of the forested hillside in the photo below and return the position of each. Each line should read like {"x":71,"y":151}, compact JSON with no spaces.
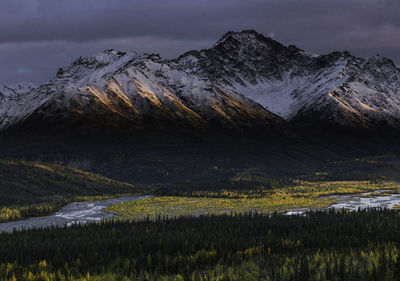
{"x":326,"y":245}
{"x":32,"y":189}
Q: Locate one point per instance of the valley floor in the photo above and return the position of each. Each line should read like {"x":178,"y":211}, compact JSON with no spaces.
{"x":210,"y":233}
{"x":303,"y":195}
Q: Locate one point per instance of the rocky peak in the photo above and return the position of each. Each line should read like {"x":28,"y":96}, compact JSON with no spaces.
{"x":246,"y":39}
{"x":331,"y":59}
{"x":108,"y":57}
{"x":247,"y":42}
{"x":381,"y":62}
{"x":243,"y":70}
{"x":244,"y":57}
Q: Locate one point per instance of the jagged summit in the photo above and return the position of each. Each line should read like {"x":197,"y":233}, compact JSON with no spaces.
{"x":244,"y":37}
{"x":336,"y":88}
{"x":244,"y":80}
{"x":114,"y":87}
{"x":248,"y":40}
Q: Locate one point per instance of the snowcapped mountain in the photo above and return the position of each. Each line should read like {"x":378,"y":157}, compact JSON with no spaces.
{"x":337,"y":88}
{"x":244,"y":80}
{"x":126,"y":87}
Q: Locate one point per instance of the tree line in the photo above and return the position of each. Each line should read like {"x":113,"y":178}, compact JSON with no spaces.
{"x":321,"y":245}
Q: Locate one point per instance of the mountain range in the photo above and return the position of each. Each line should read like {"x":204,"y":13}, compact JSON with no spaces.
{"x":244,"y":80}
{"x":246,"y":85}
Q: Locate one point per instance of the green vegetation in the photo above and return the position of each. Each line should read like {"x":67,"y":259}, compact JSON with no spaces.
{"x":188,"y":206}
{"x":199,"y":178}
{"x":259,"y":175}
{"x":33,"y":210}
{"x":298,"y":188}
{"x":197,"y":230}
{"x":374,"y":167}
{"x":26,"y":182}
{"x":301,"y":195}
{"x":43,"y":209}
{"x":34,"y":189}
{"x":321,"y":245}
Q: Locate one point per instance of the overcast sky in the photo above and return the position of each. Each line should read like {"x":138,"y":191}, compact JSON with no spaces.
{"x":39,"y":36}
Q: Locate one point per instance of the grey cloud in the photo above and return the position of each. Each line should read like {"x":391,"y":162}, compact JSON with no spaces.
{"x":38,"y":36}
{"x":39,"y":61}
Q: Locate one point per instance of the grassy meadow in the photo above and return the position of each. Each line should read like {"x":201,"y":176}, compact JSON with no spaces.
{"x":302,"y":195}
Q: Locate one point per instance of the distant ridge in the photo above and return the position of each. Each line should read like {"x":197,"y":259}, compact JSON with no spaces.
{"x":244,"y":80}
{"x":246,"y":100}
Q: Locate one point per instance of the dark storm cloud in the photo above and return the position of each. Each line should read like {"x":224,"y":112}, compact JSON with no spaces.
{"x":38,"y":36}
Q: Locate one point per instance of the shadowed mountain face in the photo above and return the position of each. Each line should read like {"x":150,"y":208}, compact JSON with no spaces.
{"x":337,"y":88}
{"x":245,"y":80}
{"x":247,"y":97}
{"x":114,"y":89}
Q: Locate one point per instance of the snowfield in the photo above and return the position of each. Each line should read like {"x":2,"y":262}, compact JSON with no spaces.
{"x":243,"y":76}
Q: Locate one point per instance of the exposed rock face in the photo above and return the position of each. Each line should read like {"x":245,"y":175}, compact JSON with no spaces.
{"x":337,"y":88}
{"x":244,"y":80}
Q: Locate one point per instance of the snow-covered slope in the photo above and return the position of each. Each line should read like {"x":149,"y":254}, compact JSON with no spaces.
{"x":16,"y":101}
{"x":131,"y":87}
{"x":20,"y":88}
{"x":337,"y":88}
{"x":244,"y":80}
